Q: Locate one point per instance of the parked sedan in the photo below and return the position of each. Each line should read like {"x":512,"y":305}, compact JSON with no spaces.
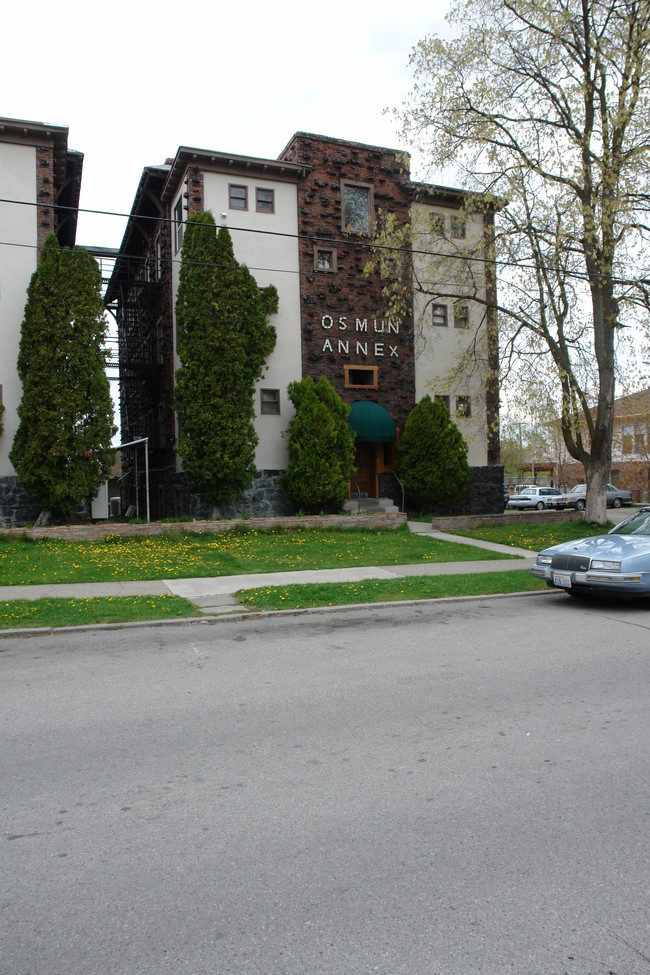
{"x":617,"y":563}
{"x":532,"y":496}
{"x":577,"y":498}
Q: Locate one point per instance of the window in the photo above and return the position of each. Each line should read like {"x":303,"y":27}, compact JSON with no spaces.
{"x":463,"y":406}
{"x":361,"y":377}
{"x":639,"y":440}
{"x":358,"y":207}
{"x":443,"y":399}
{"x":269,"y":400}
{"x":324,"y":259}
{"x":437,"y":224}
{"x":458,"y":226}
{"x":461,"y":316}
{"x":264,"y":200}
{"x":628,"y":439}
{"x":440,"y":315}
{"x":238,"y":197}
{"x":178,"y":224}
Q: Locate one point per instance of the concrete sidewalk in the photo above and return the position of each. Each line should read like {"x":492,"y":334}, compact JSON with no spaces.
{"x":216,"y":595}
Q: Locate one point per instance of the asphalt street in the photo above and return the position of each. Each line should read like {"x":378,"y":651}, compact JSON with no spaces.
{"x":447,"y":788}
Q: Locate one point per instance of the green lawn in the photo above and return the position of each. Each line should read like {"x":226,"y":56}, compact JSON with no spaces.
{"x":178,"y":555}
{"x":536,"y":537}
{"x":185,"y":554}
{"x":21,"y":613}
{"x":388,"y":590}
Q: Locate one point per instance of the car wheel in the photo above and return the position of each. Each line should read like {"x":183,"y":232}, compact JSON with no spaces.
{"x":617,"y":502}
{"x":580,"y":506}
{"x":539,"y":505}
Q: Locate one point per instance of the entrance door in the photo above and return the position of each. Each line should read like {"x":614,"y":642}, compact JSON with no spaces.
{"x":366,"y":463}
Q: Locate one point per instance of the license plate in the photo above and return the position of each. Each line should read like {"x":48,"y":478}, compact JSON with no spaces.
{"x":562,"y":579}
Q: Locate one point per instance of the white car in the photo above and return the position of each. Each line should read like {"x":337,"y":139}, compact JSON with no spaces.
{"x":533,"y":496}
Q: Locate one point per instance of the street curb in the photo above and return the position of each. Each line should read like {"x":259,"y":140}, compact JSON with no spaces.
{"x":237,"y":616}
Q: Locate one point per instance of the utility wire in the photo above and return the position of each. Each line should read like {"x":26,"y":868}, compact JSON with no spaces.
{"x":311,"y":238}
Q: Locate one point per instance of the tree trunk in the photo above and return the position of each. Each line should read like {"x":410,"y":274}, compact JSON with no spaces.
{"x":597,"y":473}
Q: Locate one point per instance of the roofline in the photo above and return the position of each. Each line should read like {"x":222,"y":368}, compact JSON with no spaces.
{"x":345,"y":142}
{"x":226,"y":162}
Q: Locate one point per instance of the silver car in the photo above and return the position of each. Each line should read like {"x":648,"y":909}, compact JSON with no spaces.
{"x":577,"y":497}
{"x":617,"y":563}
{"x":533,"y":496}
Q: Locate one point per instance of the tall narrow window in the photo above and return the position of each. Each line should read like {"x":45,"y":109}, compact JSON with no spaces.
{"x":461,"y":316}
{"x":463,"y":406}
{"x":440,"y":316}
{"x":178,"y":224}
{"x":357,"y":207}
{"x":437,"y":224}
{"x":458,"y":226}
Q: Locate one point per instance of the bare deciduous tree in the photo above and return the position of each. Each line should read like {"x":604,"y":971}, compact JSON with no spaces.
{"x":543,"y":105}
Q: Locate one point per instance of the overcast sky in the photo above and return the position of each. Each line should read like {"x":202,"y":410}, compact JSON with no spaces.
{"x":133,"y":81}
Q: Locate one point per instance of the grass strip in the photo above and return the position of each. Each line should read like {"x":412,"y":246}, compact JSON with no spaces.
{"x":388,"y":590}
{"x":536,"y":537}
{"x":21,"y":613}
{"x":178,"y":555}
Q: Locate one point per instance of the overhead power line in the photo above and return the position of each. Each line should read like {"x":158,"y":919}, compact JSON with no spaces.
{"x":311,"y":238}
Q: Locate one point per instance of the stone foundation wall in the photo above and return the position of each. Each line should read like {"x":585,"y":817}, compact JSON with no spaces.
{"x":484,"y":494}
{"x":88,"y":533}
{"x":15,"y":507}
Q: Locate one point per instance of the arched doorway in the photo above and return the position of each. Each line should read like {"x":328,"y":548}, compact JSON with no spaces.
{"x":376,"y":436}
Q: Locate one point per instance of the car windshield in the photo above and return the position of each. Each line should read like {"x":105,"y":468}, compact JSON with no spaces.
{"x":636,"y":524}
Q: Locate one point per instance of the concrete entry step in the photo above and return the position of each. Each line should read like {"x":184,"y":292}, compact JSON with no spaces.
{"x":370,"y":505}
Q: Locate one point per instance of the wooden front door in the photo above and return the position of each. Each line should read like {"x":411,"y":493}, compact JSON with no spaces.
{"x":366,"y":463}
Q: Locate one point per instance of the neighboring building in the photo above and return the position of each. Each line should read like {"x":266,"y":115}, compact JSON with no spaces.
{"x":40,"y":180}
{"x":630,"y":447}
{"x":302,"y":222}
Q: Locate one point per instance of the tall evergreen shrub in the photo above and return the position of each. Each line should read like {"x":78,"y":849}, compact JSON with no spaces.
{"x":321,"y":447}
{"x":224,"y":339}
{"x":432,"y":456}
{"x":62,"y":449}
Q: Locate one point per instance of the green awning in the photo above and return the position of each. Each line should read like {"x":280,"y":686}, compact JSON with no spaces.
{"x":372,"y":423}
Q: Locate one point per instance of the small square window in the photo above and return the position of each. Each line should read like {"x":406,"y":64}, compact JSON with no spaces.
{"x":325,"y":259}
{"x":458,"y":227}
{"x":178,"y":224}
{"x":463,"y":406}
{"x":437,"y":224}
{"x":264,"y":200}
{"x":238,"y":197}
{"x":269,"y":401}
{"x":461,"y":316}
{"x":440,"y":315}
{"x":441,"y":398}
{"x":357,"y":207}
{"x":361,"y":377}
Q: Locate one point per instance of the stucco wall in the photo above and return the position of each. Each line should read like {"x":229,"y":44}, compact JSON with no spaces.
{"x":17,"y":264}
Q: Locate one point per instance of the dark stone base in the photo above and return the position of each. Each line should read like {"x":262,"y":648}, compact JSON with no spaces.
{"x":484,"y":495}
{"x":262,"y":499}
{"x":16,"y":510}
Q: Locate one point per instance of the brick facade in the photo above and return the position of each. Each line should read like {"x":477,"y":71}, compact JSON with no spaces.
{"x":45,"y":193}
{"x":343,"y":315}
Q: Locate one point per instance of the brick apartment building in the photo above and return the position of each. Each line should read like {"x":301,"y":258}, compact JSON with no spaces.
{"x":303,"y":223}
